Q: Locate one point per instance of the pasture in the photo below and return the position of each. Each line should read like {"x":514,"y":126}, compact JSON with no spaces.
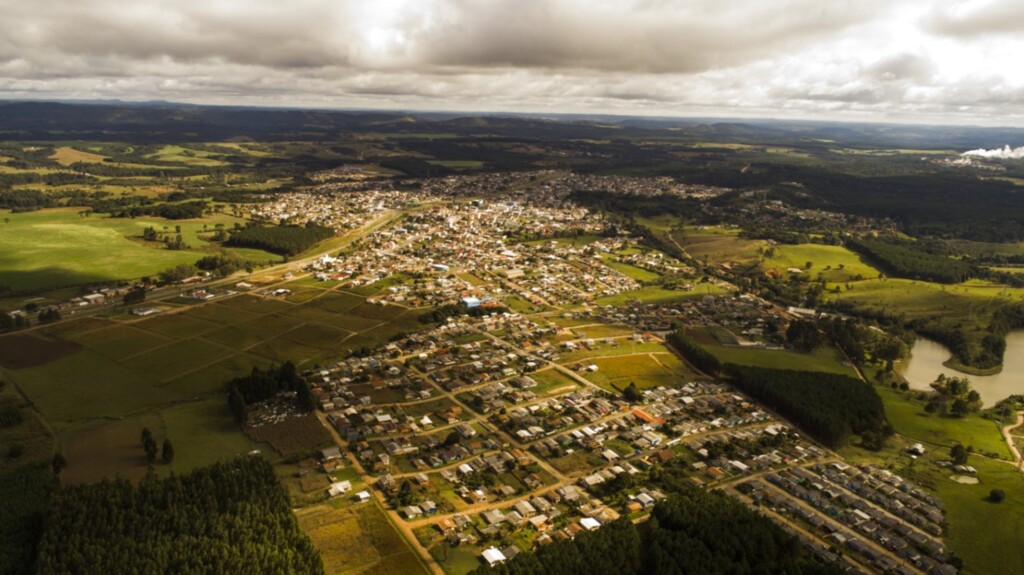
{"x":718,"y":245}
{"x":54,"y":248}
{"x":832,"y":263}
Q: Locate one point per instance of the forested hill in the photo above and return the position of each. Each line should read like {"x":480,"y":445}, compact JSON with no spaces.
{"x":231,"y":517}
{"x":692,"y":532}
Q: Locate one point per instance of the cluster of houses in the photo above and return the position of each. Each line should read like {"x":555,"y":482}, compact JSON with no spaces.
{"x":873,"y":513}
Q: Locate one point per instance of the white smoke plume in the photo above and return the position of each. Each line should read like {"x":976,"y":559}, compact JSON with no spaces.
{"x":1006,"y":153}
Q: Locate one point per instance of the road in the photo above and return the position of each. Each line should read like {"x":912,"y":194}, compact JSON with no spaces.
{"x":1009,"y":438}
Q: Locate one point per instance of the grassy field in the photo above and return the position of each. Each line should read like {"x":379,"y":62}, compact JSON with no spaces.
{"x":645,"y":370}
{"x":57,"y":247}
{"x":358,"y":539}
{"x":718,"y":245}
{"x":821,"y":360}
{"x":909,"y":418}
{"x":657,"y":294}
{"x":833,"y":263}
{"x":632,"y":271}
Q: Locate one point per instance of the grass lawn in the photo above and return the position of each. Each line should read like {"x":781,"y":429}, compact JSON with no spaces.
{"x":822,"y":360}
{"x":825,"y":259}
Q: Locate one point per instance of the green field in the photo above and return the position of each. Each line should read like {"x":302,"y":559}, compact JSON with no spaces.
{"x":657,"y":294}
{"x":632,"y":271}
{"x":821,"y":360}
{"x":56,"y":247}
{"x":909,"y":418}
{"x":826,"y":261}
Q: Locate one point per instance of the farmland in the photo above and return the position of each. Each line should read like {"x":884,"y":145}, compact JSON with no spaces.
{"x":55,"y":248}
{"x":100,"y":380}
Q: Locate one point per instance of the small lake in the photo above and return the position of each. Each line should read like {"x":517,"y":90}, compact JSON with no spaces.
{"x":927,"y":356}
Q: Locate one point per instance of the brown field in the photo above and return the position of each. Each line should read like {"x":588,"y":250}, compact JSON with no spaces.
{"x":19,"y":351}
{"x":110,"y":450}
{"x":719,"y":248}
{"x":357,"y":539}
{"x":66,"y":156}
{"x":293,"y":435}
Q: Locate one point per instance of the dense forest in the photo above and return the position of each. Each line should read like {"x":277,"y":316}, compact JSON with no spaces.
{"x":901,"y":260}
{"x":26,"y":492}
{"x":284,"y":240}
{"x":691,"y":532}
{"x":232,"y":517}
{"x":828,"y":406}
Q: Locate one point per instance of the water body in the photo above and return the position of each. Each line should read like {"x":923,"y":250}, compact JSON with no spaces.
{"x":927,"y":356}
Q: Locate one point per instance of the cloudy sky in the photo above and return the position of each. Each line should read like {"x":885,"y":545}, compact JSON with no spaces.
{"x":932,"y":61}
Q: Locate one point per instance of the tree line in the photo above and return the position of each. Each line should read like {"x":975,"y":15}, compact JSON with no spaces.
{"x":285,"y":240}
{"x":231,"y":517}
{"x":691,"y":532}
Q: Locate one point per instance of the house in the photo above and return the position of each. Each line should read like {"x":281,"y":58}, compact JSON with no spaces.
{"x":589,"y":523}
{"x":493,"y":556}
{"x":362,"y":496}
{"x":412,"y":511}
{"x":339,"y":488}
{"x":330,"y":453}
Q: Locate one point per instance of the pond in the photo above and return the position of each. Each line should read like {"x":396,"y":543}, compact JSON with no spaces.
{"x":927,"y":356}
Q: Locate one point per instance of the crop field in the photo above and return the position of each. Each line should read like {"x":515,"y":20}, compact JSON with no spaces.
{"x":832,"y":263}
{"x":821,"y":360}
{"x":358,"y":539}
{"x":53,"y":248}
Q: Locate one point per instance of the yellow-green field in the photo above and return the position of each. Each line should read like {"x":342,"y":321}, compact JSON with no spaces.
{"x":53,"y":248}
{"x":832,"y":263}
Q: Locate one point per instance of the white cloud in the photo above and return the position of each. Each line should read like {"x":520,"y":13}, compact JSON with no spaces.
{"x":912,"y":60}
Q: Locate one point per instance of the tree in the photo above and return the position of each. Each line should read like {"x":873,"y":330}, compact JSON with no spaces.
{"x":58,"y":463}
{"x":16,"y":450}
{"x":237,"y":405}
{"x":959,"y":454}
{"x":996,"y":496}
{"x":168,"y":451}
{"x":631,"y":393}
{"x":149,"y":445}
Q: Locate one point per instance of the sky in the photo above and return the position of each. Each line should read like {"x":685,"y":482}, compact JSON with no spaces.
{"x":916,"y":61}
